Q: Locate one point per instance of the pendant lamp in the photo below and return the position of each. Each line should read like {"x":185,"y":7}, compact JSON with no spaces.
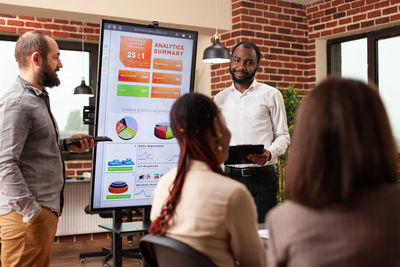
{"x":216,"y":53}
{"x":83,"y":88}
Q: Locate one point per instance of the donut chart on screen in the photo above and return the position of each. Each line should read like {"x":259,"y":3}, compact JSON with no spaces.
{"x":126,"y":128}
{"x":163,"y":130}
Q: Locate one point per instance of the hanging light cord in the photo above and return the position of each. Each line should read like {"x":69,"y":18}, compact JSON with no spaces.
{"x":83,"y":57}
{"x":216,"y":16}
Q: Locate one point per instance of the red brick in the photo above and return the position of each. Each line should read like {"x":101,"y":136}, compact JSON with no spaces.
{"x":15,"y":22}
{"x":382,"y":20}
{"x":256,"y":27}
{"x":101,"y":236}
{"x":344,"y":21}
{"x":318,"y":14}
{"x":374,"y":14}
{"x":247,"y":18}
{"x":26,"y":17}
{"x":63,"y":239}
{"x":357,"y":4}
{"x":33,"y":24}
{"x":44,"y":19}
{"x":261,"y":20}
{"x":61,"y":34}
{"x":70,"y":173}
{"x":2,"y":22}
{"x":87,"y":165}
{"x":8,"y":29}
{"x":52,"y":27}
{"x":275,"y":9}
{"x":92,"y":38}
{"x":255,"y":12}
{"x":395,"y":17}
{"x":269,"y":15}
{"x":368,"y":23}
{"x":326,"y":33}
{"x":392,"y":2}
{"x":314,"y":35}
{"x":371,"y":1}
{"x":7,"y":16}
{"x":312,"y":9}
{"x":276,"y":64}
{"x":69,"y":28}
{"x":61,"y":21}
{"x":73,"y":165}
{"x":339,"y":30}
{"x":353,"y":11}
{"x":353,"y":27}
{"x":343,"y":7}
{"x":270,"y":29}
{"x":83,"y":237}
{"x":276,"y":22}
{"x":389,"y":10}
{"x":261,"y":6}
{"x":24,"y":30}
{"x":289,"y":11}
{"x":359,"y":17}
{"x":382,"y":4}
{"x":331,"y":24}
{"x":326,"y":18}
{"x":76,"y":23}
{"x":365,"y":9}
{"x":337,"y":2}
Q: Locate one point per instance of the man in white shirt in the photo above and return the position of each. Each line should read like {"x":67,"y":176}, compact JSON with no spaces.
{"x":255,"y":114}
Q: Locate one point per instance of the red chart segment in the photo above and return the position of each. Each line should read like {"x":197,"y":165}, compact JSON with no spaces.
{"x":163,"y":130}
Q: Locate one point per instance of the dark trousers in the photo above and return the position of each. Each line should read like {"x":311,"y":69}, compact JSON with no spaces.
{"x":264,"y":189}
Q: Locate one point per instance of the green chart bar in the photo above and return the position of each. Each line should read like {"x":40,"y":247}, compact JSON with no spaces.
{"x":132,"y":90}
{"x":118,"y":196}
{"x":118,"y":169}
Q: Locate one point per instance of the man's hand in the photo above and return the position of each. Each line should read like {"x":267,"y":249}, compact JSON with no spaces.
{"x":260,"y":159}
{"x":84,"y":144}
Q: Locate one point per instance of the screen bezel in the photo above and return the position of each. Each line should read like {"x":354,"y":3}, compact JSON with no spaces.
{"x":191,"y":89}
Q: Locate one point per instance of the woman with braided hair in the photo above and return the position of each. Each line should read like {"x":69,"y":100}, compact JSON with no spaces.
{"x":195,"y":203}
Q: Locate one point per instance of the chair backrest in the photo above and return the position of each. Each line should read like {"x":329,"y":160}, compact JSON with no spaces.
{"x":161,"y":251}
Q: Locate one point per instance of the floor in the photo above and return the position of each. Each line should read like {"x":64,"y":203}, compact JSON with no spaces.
{"x":67,"y":254}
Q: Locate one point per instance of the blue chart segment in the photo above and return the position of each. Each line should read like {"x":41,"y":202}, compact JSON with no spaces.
{"x":167,"y":153}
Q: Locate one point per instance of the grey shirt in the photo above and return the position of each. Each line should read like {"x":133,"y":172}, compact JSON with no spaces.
{"x":31,"y":164}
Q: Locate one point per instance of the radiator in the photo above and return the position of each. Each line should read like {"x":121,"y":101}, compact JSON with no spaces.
{"x":74,"y":220}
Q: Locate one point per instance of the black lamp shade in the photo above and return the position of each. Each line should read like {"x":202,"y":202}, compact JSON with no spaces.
{"x":216,"y":53}
{"x":83,"y":89}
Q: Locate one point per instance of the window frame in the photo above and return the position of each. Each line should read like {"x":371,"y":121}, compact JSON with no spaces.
{"x":92,"y":48}
{"x":372,"y":50}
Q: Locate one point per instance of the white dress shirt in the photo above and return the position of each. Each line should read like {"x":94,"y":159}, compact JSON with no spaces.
{"x":257,"y":116}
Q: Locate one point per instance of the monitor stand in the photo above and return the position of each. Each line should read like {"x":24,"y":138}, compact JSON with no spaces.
{"x":120,"y":229}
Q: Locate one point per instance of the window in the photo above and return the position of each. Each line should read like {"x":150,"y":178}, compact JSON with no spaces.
{"x":372,"y":56}
{"x":66,"y":107}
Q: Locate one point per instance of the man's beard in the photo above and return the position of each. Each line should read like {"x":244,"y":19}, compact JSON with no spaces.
{"x":244,"y":80}
{"x":47,"y":77}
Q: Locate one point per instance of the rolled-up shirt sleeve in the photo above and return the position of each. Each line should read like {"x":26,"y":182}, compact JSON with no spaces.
{"x":280,"y":129}
{"x":14,"y":128}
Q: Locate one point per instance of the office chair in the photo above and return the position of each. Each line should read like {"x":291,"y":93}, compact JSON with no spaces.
{"x":106,"y":252}
{"x":161,"y":251}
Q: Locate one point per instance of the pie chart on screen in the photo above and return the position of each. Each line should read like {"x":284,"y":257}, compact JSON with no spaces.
{"x":126,"y":128}
{"x":163,"y":130}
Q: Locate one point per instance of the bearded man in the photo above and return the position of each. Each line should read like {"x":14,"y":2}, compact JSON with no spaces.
{"x":255,"y":114}
{"x":31,"y":164}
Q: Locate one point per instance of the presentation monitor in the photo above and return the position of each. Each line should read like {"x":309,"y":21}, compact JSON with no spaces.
{"x":142,"y":70}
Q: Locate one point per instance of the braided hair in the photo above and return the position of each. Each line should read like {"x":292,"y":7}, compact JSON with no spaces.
{"x":191,"y":116}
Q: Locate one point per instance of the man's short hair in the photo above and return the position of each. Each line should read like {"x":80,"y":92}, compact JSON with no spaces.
{"x":28,"y":43}
{"x":248,"y":45}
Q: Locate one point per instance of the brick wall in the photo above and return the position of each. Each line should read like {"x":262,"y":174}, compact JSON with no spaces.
{"x":57,"y":28}
{"x":286,"y":34}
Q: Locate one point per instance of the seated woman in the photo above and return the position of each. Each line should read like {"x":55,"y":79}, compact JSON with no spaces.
{"x":343,"y":206}
{"x":195,"y":203}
